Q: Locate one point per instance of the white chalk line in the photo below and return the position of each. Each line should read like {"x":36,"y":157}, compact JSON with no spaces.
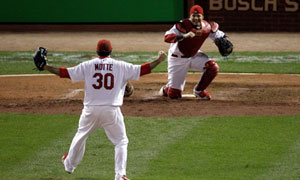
{"x":188,"y":96}
{"x":77,"y":91}
{"x":25,"y":75}
{"x":72,"y":93}
{"x":265,"y":74}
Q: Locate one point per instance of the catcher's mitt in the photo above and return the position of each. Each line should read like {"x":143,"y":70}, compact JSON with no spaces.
{"x":40,"y":58}
{"x":128,"y":89}
{"x":224,"y":45}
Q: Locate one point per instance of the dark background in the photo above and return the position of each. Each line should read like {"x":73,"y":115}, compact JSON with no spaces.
{"x":137,"y":15}
{"x":255,"y":21}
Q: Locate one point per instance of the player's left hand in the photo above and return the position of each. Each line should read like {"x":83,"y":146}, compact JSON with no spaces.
{"x":224,"y":45}
{"x":40,"y":58}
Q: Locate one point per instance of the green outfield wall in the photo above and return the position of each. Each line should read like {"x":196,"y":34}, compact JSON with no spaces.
{"x":91,"y":11}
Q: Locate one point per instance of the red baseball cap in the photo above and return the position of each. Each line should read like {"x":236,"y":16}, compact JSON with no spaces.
{"x":104,"y":45}
{"x":196,"y":9}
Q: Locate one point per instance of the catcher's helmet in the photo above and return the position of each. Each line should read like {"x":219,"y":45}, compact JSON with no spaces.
{"x":196,"y":9}
{"x":104,"y":47}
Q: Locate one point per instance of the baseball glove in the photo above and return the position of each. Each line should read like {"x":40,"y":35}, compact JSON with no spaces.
{"x":128,"y":89}
{"x":40,"y":58}
{"x":224,"y":45}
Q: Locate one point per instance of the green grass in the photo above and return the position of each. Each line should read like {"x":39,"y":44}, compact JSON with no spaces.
{"x":190,"y":148}
{"x":31,"y":143}
{"x":241,"y":62}
{"x":259,"y":67}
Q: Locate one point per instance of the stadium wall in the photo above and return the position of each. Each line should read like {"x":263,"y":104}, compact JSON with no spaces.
{"x":154,"y":15}
{"x":254,"y":15}
{"x":92,"y":15}
{"x":91,"y":11}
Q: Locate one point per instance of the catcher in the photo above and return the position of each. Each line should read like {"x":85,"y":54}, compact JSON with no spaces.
{"x":186,"y":38}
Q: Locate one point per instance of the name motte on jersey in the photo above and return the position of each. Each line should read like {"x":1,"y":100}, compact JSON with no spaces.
{"x":103,"y":67}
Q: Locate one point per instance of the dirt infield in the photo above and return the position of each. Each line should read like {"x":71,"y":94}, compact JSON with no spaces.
{"x":233,"y":94}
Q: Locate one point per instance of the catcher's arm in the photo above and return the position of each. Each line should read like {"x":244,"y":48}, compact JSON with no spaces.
{"x":178,"y":33}
{"x":172,"y":38}
{"x":225,"y":47}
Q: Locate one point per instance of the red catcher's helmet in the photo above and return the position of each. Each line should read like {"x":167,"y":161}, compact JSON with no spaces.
{"x":196,"y":9}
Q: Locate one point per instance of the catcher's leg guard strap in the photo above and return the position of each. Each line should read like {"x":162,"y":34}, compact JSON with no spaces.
{"x":174,"y":93}
{"x":212,"y":69}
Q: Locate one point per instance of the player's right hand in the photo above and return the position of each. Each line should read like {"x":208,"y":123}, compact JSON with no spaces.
{"x":189,"y":35}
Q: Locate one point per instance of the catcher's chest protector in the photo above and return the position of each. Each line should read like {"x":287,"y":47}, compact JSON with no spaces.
{"x":190,"y":46}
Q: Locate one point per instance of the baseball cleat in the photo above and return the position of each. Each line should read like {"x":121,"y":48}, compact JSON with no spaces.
{"x":162,"y":91}
{"x":63,"y":158}
{"x":202,"y":94}
{"x":122,"y":178}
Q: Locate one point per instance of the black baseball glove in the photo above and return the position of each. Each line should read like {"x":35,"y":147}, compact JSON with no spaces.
{"x":40,"y":58}
{"x":224,"y":45}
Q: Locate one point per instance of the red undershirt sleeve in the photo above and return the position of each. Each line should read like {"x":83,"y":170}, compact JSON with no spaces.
{"x":145,"y":69}
{"x":171,"y":38}
{"x":63,"y":73}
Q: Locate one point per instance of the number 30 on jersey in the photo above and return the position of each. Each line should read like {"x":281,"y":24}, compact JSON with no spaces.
{"x":106,"y":81}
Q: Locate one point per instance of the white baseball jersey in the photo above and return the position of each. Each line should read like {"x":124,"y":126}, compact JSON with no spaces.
{"x":105,"y":80}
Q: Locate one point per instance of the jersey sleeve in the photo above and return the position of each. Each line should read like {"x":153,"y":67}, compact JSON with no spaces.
{"x":130,"y":71}
{"x":76,"y":73}
{"x":173,"y":30}
{"x":145,"y":69}
{"x":216,"y":35}
{"x":63,"y":72}
{"x":171,"y":35}
{"x":171,"y":38}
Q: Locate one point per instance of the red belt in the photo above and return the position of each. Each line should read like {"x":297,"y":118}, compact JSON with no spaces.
{"x":174,"y":55}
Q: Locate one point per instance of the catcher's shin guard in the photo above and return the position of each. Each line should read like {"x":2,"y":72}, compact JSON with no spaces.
{"x":212,"y":69}
{"x":174,"y":93}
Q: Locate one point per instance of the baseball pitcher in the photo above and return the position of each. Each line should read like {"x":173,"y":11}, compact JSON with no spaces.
{"x":186,"y":38}
{"x":105,"y":80}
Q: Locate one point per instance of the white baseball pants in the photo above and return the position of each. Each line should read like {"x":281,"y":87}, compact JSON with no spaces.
{"x":93,"y":117}
{"x":178,"y":68}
